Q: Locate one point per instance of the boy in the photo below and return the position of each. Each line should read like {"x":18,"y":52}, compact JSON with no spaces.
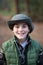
{"x":21,"y":49}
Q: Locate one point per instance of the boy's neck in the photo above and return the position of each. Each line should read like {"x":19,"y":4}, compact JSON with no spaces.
{"x":22,"y":41}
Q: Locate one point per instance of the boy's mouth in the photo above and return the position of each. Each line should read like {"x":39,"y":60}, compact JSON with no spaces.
{"x":21,"y":33}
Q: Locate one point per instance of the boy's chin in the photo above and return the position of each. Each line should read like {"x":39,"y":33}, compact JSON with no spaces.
{"x":21,"y":38}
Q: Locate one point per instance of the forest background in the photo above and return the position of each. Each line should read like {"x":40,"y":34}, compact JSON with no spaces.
{"x":32,"y":8}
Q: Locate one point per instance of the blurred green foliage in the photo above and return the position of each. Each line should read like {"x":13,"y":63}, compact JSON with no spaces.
{"x":35,"y":8}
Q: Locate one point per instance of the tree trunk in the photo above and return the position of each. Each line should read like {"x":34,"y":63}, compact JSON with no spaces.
{"x":16,"y":2}
{"x":26,"y":7}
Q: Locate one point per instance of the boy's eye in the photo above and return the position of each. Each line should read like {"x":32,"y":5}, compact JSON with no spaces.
{"x":20,"y":25}
{"x":24,"y":26}
{"x":16,"y":26}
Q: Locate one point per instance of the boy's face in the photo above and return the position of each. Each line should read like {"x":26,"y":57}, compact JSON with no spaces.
{"x":21,"y":30}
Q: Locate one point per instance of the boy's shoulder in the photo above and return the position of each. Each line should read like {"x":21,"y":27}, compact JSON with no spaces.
{"x":8,"y":43}
{"x":35,"y":43}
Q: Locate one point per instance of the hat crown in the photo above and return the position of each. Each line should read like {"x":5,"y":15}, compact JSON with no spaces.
{"x":20,"y":17}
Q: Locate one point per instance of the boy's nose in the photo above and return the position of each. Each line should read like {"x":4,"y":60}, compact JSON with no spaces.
{"x":20,"y":28}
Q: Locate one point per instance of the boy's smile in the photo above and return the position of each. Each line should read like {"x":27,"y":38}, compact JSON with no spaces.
{"x":21,"y":30}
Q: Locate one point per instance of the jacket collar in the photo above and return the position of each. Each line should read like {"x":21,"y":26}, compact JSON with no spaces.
{"x":28,"y":40}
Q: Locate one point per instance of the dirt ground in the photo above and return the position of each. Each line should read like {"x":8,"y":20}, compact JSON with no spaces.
{"x":37,"y":34}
